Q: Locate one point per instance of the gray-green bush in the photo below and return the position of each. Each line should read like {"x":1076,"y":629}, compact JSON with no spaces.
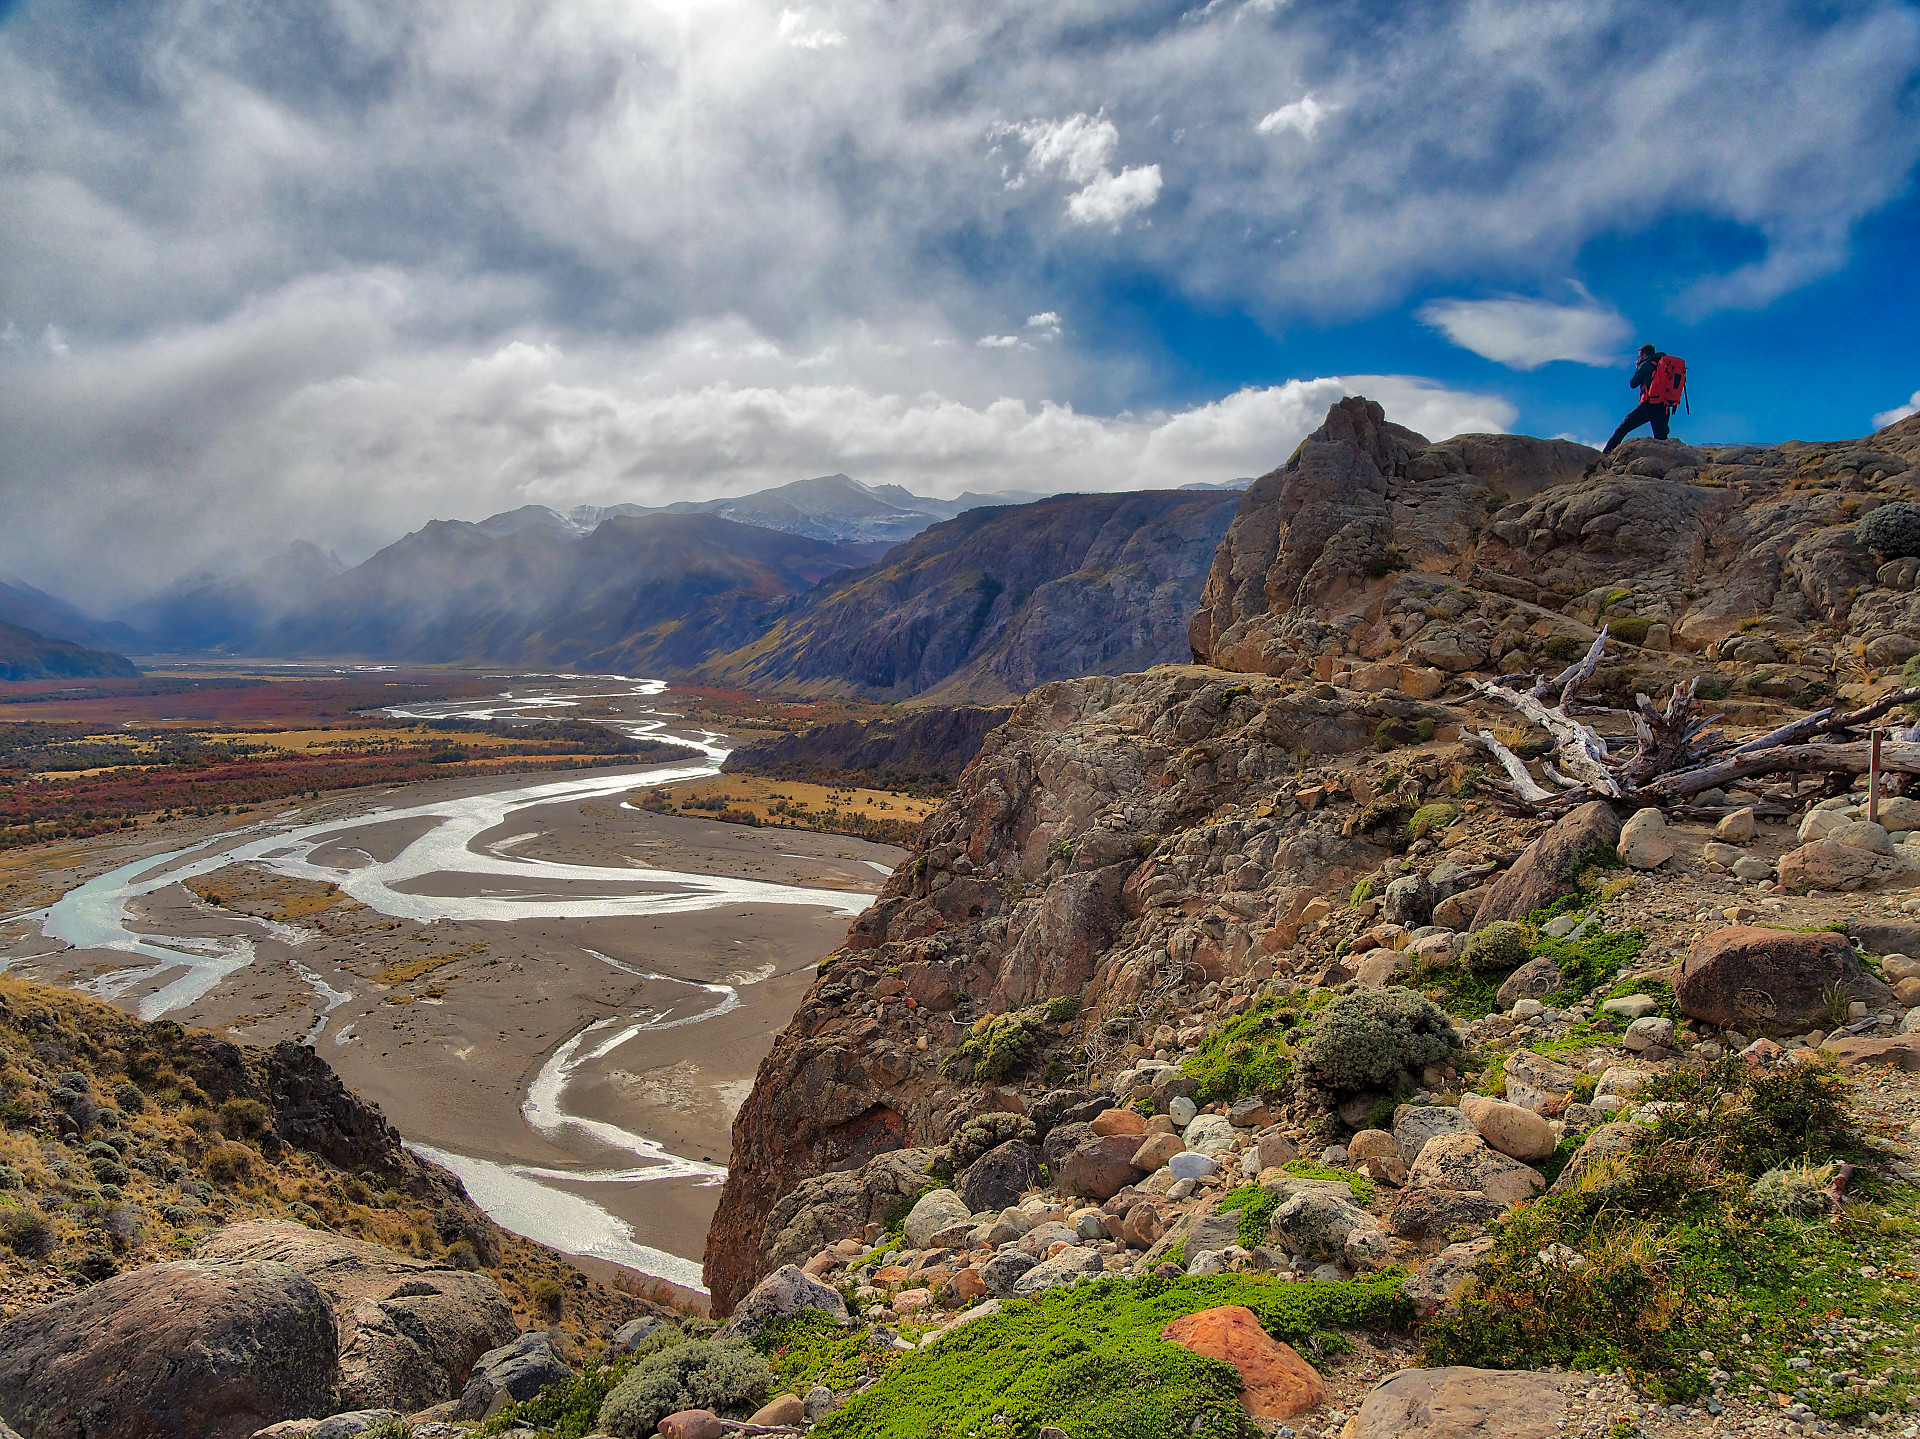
{"x":1892,"y":531}
{"x":1364,"y":1039}
{"x":725,"y":1376}
{"x":1501,"y":945}
{"x":984,"y":1132}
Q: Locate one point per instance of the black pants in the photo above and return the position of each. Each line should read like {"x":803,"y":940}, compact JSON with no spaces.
{"x":1646,"y":411}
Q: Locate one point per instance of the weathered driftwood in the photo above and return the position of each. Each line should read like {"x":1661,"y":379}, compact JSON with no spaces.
{"x":1677,"y":752}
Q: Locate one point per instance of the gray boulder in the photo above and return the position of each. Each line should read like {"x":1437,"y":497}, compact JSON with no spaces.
{"x":998,"y":1178}
{"x":1064,"y":1268}
{"x":1536,"y":979}
{"x":184,"y":1349}
{"x":786,"y":1291}
{"x":629,"y":1336}
{"x":518,"y":1370}
{"x":828,"y":1207}
{"x":1410,"y":899}
{"x":937,"y":1213}
{"x":1415,"y":1124}
{"x":1001,"y":1272}
{"x":1318,"y":1225}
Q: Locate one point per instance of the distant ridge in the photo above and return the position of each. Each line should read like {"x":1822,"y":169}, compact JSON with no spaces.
{"x":27,"y":655}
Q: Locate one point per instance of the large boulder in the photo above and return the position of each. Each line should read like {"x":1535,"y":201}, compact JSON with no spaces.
{"x":1415,"y":1124}
{"x":1099,"y":1168}
{"x":518,"y":1370}
{"x":1779,"y":980}
{"x":1275,"y":1382}
{"x":1549,"y":867}
{"x":1516,"y":1132}
{"x":1421,"y":1211}
{"x":1318,"y":1225}
{"x":1536,"y":979}
{"x":783,"y":1293}
{"x":1534,"y":1081}
{"x":1066,"y":1267}
{"x":998,"y":1178}
{"x":1457,"y":1403}
{"x":937,"y":1214}
{"x":1832,"y":864}
{"x":410,"y":1330}
{"x":1467,"y":1163}
{"x":1644,"y":840}
{"x":1444,"y":1278}
{"x":188,"y":1350}
{"x":831,"y":1206}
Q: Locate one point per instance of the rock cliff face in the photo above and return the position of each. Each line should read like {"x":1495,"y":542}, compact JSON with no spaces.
{"x":1371,"y":542}
{"x":916,"y":745}
{"x":988,"y":605}
{"x":1116,"y":839}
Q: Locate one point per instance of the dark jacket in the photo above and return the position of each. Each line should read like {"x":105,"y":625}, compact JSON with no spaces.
{"x":1643,"y":372}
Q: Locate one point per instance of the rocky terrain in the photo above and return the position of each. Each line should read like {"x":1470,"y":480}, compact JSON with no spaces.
{"x":28,"y":655}
{"x":986,"y":606}
{"x":1240,"y":1053}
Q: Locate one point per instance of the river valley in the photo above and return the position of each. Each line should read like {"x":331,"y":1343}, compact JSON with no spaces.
{"x":561,"y":997}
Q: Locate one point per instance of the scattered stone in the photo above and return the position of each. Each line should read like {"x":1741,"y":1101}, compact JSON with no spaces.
{"x":781,"y":1409}
{"x":820,"y":1400}
{"x":1119,"y":1121}
{"x":629,"y":1336}
{"x":1516,"y":1132}
{"x":1001,"y":1272}
{"x":1249,"y":1113}
{"x":1188,"y":1165}
{"x":1459,"y":1402}
{"x":1647,"y":1032}
{"x":1181,"y":1110}
{"x":1752,"y":868}
{"x":1632,"y":1006}
{"x":1738,"y":827}
{"x":1210,"y":1134}
{"x":1644,"y":842}
{"x":1372,"y":1144}
{"x":1155,"y":1151}
{"x":692,"y":1424}
{"x":1275,"y":1382}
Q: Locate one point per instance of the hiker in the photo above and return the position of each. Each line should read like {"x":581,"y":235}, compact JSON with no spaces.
{"x":1662,"y":383}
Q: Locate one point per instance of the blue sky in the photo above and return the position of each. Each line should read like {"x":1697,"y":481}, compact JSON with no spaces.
{"x":329,"y":268}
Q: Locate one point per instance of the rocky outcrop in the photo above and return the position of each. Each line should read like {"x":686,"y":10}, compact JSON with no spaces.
{"x":1550,"y":866}
{"x":990,"y":604}
{"x":1114,"y":837}
{"x":1374,"y":547}
{"x":1450,"y":1403}
{"x":203,"y":1349}
{"x":518,"y":1370}
{"x":410,"y":1331}
{"x":839,"y":1202}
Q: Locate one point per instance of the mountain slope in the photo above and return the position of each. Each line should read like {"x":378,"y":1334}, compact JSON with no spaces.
{"x":647,"y":591}
{"x":30,"y":609}
{"x":996,"y":601}
{"x":214,"y":610}
{"x":25,"y":655}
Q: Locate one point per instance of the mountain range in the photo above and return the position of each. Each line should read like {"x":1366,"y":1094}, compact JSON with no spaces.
{"x":28,"y":655}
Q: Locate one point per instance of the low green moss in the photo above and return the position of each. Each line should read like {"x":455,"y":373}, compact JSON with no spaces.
{"x":1590,"y":961}
{"x":809,"y":1349}
{"x":1632,"y":629}
{"x":1360,"y":1186}
{"x":1362,"y":892}
{"x":1246,"y":1055}
{"x":1090,"y":1361}
{"x":1430,"y":816}
{"x":1255,"y":1207}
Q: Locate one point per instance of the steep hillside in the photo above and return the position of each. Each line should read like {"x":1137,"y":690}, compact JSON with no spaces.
{"x":213,"y":611}
{"x":985,"y":606}
{"x":907,"y":749}
{"x":30,"y":609}
{"x":26,"y":655}
{"x":654,"y":592}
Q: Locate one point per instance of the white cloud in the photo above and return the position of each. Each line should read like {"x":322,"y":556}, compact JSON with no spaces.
{"x":1002,"y":342}
{"x":1082,"y":146}
{"x":1047,"y":323}
{"x":798,"y":30}
{"x":1897,"y":413}
{"x":1525,"y":334}
{"x":1303,"y":116}
{"x":1109,"y":199}
{"x":53,"y":341}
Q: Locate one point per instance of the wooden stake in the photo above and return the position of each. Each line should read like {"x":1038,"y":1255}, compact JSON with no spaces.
{"x":1873,"y":778}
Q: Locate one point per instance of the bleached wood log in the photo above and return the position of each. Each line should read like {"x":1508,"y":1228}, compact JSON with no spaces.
{"x":1523,"y":784}
{"x":1582,"y":751}
{"x":1851,"y":758}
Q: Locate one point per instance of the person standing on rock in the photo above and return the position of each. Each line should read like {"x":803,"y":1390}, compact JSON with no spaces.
{"x":1662,"y":383}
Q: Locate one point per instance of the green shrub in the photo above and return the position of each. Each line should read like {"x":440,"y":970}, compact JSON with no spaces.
{"x":129,"y":1096}
{"x":550,"y":1298}
{"x":1589,"y":961}
{"x":1563,"y":649}
{"x":1246,"y":1055}
{"x":1798,"y":1190}
{"x":1255,"y":1207}
{"x":727,"y":1377}
{"x":984,"y":1132}
{"x":1502,"y":945}
{"x":1632,"y":629}
{"x":1004,"y":1043}
{"x":1091,"y":1361}
{"x":809,"y":1348}
{"x":1364,"y":1039}
{"x":1357,"y":1183}
{"x":1892,"y":531}
{"x":26,"y":1233}
{"x":1062,"y":1007}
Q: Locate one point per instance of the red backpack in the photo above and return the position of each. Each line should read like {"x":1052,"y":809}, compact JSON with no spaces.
{"x":1669,"y":383}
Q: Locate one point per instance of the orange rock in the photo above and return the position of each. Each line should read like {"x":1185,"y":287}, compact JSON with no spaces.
{"x":1275,"y":1382}
{"x":892,"y":1274}
{"x":1119,"y":1121}
{"x":782,"y":1409}
{"x":966,"y":1285}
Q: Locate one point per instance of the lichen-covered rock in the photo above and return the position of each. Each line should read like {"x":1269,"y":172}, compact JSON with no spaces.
{"x":410,"y":1329}
{"x":1443,"y":1279}
{"x":842,"y":1202}
{"x":1466,"y":1162}
{"x":782,"y":1294}
{"x":1534,"y":1081}
{"x":1099,"y":1168}
{"x":1415,"y":1124}
{"x":518,"y":1370}
{"x":1536,"y":979}
{"x":1318,"y":1225}
{"x":1422,"y":1211}
{"x":1778,"y":980}
{"x":177,"y":1351}
{"x":1830,"y":864}
{"x":1064,"y":1268}
{"x":1550,"y":867}
{"x":937,"y":1212}
{"x":1453,"y":1403}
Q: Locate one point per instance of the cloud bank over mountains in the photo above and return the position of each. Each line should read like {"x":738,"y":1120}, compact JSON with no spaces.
{"x":330,"y":267}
